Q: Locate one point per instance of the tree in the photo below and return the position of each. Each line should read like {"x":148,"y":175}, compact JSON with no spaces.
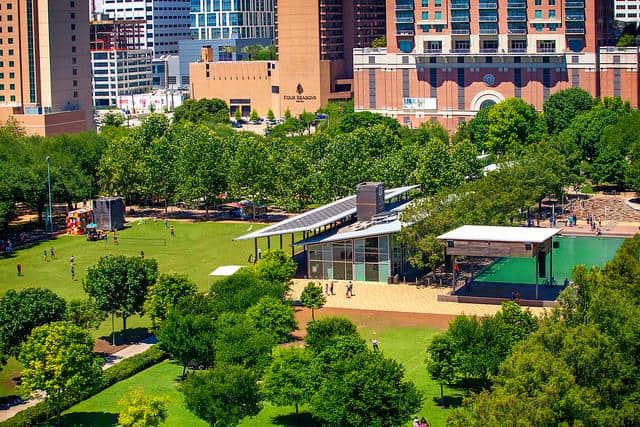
{"x":270,"y":115}
{"x":313,"y":297}
{"x":204,"y":110}
{"x":366,"y":119}
{"x":188,"y":333}
{"x":323,"y":333}
{"x":200,"y":165}
{"x":287,"y":380}
{"x":513,"y":124}
{"x":272,"y":316}
{"x":85,"y":313}
{"x":243,"y":289}
{"x":287,"y":114}
{"x":237,"y":115}
{"x":626,"y":40}
{"x":276,"y":267}
{"x":255,"y":351}
{"x":119,"y":284}
{"x":58,"y":359}
{"x":254,"y":116}
{"x":378,"y":392}
{"x":141,"y":410}
{"x":474,"y":349}
{"x":222,"y":396}
{"x":21,"y":311}
{"x":562,"y":107}
{"x":165,"y":294}
{"x":379,"y":42}
{"x":113,"y":118}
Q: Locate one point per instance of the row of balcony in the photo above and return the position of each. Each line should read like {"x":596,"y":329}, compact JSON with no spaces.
{"x":491,"y":50}
{"x":464,"y":5}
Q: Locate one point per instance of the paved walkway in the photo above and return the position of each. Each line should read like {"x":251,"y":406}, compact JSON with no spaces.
{"x":401,"y":298}
{"x":110,"y":360}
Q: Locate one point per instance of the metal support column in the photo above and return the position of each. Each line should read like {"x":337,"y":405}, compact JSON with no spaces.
{"x":293,"y":248}
{"x":268,"y":243}
{"x":281,"y":242}
{"x":255,"y":250}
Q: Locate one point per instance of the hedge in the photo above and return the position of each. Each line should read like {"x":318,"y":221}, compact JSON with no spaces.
{"x":40,"y":413}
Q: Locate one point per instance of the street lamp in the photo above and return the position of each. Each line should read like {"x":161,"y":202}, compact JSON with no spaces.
{"x":49,"y":181}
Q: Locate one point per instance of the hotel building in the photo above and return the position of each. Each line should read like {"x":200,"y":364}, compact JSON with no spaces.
{"x":45,"y":70}
{"x":446,"y":59}
{"x":315,"y":39}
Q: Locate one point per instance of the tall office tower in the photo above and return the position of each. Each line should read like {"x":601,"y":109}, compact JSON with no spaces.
{"x":166,"y":21}
{"x":232,"y":19}
{"x":120,"y":66}
{"x":315,"y":41}
{"x":445,"y":59}
{"x":45,"y":72}
{"x":628,"y":11}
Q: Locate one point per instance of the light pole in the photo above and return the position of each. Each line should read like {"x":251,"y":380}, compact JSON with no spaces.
{"x":49,"y":182}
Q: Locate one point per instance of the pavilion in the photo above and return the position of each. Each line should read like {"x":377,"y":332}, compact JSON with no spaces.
{"x":352,"y":238}
{"x":500,"y":242}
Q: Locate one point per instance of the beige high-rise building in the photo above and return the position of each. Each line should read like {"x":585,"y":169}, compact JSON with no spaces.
{"x":45,"y":69}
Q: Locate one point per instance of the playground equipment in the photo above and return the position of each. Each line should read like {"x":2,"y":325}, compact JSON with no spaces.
{"x":77,"y":221}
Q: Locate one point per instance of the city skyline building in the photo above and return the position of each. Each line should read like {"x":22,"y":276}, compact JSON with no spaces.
{"x":627,"y":11}
{"x":446,"y":59}
{"x":120,"y":67}
{"x":45,"y":69}
{"x":232,"y":19}
{"x":315,"y":40}
{"x":165,"y":21}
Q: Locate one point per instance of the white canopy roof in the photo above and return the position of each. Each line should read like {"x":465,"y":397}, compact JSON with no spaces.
{"x":225,"y":270}
{"x":488,"y":233}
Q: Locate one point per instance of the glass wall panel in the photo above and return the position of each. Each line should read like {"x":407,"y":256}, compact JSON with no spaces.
{"x":358,"y":270}
{"x":383,"y":248}
{"x":384,"y":271}
{"x":315,"y":269}
{"x":371,"y":272}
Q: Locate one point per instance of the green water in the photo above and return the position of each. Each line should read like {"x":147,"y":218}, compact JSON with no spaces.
{"x":589,"y":251}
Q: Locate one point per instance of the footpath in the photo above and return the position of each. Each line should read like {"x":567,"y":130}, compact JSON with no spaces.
{"x":110,"y":360}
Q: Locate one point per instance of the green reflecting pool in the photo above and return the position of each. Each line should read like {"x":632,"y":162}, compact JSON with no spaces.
{"x":589,"y":251}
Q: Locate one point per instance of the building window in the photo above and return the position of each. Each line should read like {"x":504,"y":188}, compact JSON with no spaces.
{"x":538,"y":2}
{"x":552,"y":13}
{"x":12,"y":98}
{"x":538,"y":14}
{"x":1,"y":98}
{"x":73,"y":27}
{"x":12,"y":86}
{"x":438,"y":3}
{"x":425,"y":3}
{"x":552,"y":2}
{"x":438,"y":15}
{"x":75,"y":72}
{"x":425,"y":16}
{"x":75,"y":94}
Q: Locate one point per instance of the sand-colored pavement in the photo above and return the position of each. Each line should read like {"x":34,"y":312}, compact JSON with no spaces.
{"x":399,"y":298}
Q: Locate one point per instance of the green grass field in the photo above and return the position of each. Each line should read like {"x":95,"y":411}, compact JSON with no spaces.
{"x":196,"y":250}
{"x":407,"y":345}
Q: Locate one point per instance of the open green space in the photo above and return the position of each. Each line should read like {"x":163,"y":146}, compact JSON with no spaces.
{"x":196,"y":250}
{"x":572,"y":251}
{"x":406,"y":345}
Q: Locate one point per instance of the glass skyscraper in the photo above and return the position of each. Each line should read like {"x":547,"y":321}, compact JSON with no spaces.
{"x":227,"y":19}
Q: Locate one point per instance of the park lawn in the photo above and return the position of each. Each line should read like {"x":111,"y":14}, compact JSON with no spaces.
{"x":196,"y":250}
{"x":407,"y":345}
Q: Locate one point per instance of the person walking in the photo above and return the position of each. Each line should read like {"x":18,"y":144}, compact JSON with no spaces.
{"x":326,"y":289}
{"x":19,"y":268}
{"x":416,"y":422}
{"x":424,"y":422}
{"x":375,"y":344}
{"x":346,"y":290}
{"x":45,"y":256}
{"x":142,"y":254}
{"x":172,"y":231}
{"x":73,"y":273}
{"x":53,"y":253}
{"x":331,"y":288}
{"x":350,"y":286}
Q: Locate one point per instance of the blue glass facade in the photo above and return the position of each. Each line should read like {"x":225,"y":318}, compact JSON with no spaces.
{"x":226,"y":19}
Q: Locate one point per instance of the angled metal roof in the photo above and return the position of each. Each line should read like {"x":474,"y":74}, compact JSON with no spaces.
{"x":319,"y":217}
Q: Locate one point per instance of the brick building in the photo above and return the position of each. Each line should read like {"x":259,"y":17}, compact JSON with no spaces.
{"x":45,"y":71}
{"x":446,"y":59}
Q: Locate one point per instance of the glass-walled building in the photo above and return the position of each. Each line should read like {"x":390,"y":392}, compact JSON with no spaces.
{"x":225,"y":19}
{"x":370,"y":259}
